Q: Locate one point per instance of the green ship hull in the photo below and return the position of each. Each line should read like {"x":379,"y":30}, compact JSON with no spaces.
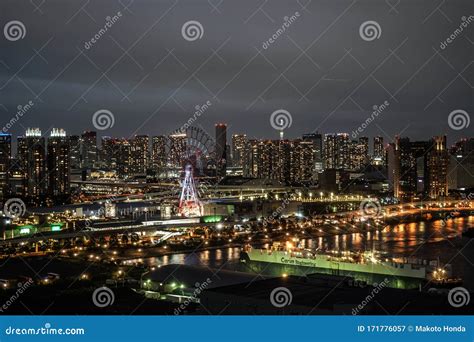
{"x":278,"y":263}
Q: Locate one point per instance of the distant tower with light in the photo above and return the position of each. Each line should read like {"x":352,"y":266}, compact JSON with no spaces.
{"x":221,"y":149}
{"x":189,"y":204}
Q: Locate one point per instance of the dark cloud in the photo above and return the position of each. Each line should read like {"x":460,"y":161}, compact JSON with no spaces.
{"x":151,"y":78}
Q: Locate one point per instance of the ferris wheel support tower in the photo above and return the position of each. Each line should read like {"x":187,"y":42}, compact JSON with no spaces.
{"x":189,"y":204}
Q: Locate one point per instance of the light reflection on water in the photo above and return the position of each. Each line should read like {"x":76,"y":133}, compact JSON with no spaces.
{"x":424,"y":239}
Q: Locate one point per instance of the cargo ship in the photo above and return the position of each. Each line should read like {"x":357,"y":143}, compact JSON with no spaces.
{"x":368,"y":266}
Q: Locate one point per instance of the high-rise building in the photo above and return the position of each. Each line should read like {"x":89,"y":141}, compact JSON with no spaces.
{"x":302,"y":161}
{"x":31,"y":159}
{"x":140,"y":153}
{"x":158,"y":152}
{"x":462,"y":164}
{"x":89,"y":149}
{"x":317,"y":140}
{"x":221,"y":147}
{"x":358,"y":153}
{"x":408,"y":176}
{"x":437,"y":167}
{"x":58,"y":162}
{"x":177,"y":153}
{"x":418,"y":168}
{"x":123,"y":157}
{"x":108,"y":152}
{"x":379,"y":155}
{"x":265,"y":161}
{"x":5,"y":163}
{"x":239,"y":142}
{"x":287,"y":161}
{"x":336,"y":151}
{"x":75,"y":151}
{"x":364,"y":149}
{"x":393,"y":168}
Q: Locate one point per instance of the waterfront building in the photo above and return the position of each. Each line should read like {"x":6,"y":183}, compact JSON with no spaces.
{"x":437,"y":167}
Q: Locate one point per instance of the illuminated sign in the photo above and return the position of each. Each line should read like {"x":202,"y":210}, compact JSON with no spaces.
{"x":25,"y":231}
{"x":55,"y":228}
{"x":212,"y":219}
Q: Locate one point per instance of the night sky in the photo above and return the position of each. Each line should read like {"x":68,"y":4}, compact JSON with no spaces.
{"x":320,"y":69}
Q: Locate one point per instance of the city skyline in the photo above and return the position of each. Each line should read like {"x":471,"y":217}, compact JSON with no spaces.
{"x":234,"y":158}
{"x":152,"y":78}
{"x":276,"y":136}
